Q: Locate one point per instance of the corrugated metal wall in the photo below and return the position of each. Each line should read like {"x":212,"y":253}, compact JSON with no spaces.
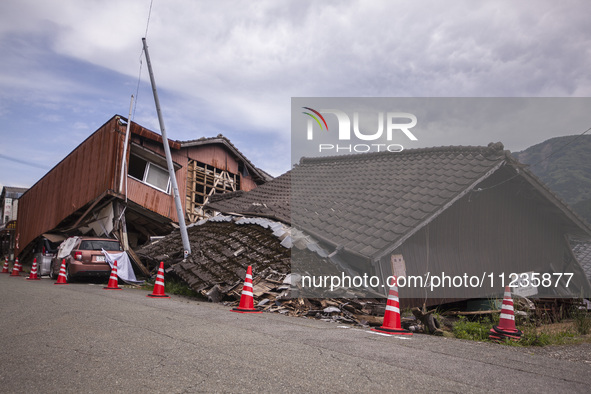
{"x":78,"y":179}
{"x":152,"y":199}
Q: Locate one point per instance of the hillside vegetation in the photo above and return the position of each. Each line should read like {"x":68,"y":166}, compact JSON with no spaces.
{"x":566,"y":170}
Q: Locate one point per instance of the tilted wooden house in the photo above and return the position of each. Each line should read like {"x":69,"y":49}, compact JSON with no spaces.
{"x":88,"y":189}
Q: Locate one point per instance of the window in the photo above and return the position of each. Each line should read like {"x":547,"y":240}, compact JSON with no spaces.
{"x":99,"y":244}
{"x":149,"y":173}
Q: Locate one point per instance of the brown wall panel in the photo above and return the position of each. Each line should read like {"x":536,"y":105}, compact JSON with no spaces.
{"x":152,"y":199}
{"x":215,"y":155}
{"x":246,"y":183}
{"x":78,"y":179}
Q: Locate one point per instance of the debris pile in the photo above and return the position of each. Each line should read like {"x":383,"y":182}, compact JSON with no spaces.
{"x":224,"y":246}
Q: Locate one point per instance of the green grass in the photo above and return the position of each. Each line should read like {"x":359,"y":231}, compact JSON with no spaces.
{"x":531,"y":337}
{"x":179,"y":287}
{"x":173,"y":286}
{"x":478,"y":331}
{"x":474,"y":330}
{"x":582,"y":320}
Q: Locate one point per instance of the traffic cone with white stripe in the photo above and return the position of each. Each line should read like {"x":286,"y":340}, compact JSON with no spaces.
{"x":16,"y":268}
{"x":113,"y":284}
{"x":506,"y":327}
{"x":159,"y":284}
{"x":33,"y":275}
{"x":61,"y":278}
{"x":5,"y":268}
{"x":391,"y":323}
{"x":247,"y":299}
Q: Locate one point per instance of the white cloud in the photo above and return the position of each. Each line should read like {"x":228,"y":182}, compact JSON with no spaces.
{"x":232,"y":66}
{"x":271,"y":49}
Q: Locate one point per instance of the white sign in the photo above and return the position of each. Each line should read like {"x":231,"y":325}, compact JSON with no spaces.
{"x":525,"y":286}
{"x":398,"y":265}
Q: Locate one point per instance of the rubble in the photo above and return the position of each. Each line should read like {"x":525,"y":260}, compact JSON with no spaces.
{"x":224,"y":246}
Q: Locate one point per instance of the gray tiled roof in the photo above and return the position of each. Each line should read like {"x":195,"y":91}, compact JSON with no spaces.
{"x":268,"y":200}
{"x":368,"y":202}
{"x":224,"y":246}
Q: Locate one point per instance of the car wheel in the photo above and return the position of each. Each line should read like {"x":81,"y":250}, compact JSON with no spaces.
{"x":51,"y":273}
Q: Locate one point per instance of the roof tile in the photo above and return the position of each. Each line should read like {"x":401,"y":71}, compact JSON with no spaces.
{"x":389,"y":195}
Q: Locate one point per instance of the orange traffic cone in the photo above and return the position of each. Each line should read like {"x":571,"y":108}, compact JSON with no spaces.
{"x":247,"y":299}
{"x":16,"y":268}
{"x":159,"y":284}
{"x":113,"y":284}
{"x":33,"y":275}
{"x":5,"y":268}
{"x":391,"y":323}
{"x":61,"y":278}
{"x":506,"y":327}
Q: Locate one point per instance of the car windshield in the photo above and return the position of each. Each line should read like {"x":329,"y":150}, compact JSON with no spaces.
{"x":99,"y":244}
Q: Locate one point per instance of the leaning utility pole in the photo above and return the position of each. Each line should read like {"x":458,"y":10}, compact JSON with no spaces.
{"x":175,"y":188}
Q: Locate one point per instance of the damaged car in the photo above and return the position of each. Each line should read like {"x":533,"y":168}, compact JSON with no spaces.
{"x":44,"y":251}
{"x":83,"y":257}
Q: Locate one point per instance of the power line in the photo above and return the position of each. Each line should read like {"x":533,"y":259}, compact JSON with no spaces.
{"x":139,"y":77}
{"x":561,"y":148}
{"x":148,"y":21}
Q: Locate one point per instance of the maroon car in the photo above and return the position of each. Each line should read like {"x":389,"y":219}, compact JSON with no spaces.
{"x":84,"y":257}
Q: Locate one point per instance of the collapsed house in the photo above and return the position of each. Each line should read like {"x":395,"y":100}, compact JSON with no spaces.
{"x":116,"y":182}
{"x":453,"y":210}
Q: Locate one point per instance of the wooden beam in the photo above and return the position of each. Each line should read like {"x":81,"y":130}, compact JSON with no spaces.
{"x":138,"y":262}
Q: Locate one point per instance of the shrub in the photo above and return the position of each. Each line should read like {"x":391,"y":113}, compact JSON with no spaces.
{"x":582,"y":320}
{"x":474,"y":330}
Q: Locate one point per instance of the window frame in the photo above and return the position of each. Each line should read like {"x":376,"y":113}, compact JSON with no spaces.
{"x":146,"y":171}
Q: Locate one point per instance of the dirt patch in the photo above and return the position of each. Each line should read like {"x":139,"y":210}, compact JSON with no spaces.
{"x":556,"y":328}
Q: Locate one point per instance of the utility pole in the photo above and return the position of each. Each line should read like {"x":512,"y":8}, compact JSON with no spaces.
{"x":124,"y":158}
{"x":175,"y":188}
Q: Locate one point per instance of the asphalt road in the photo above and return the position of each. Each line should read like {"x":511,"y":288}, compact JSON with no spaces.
{"x":81,"y":338}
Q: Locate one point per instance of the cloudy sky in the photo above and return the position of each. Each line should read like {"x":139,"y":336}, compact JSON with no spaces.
{"x":231,"y":67}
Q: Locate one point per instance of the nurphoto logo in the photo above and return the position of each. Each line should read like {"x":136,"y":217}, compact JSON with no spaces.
{"x":392,"y":122}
